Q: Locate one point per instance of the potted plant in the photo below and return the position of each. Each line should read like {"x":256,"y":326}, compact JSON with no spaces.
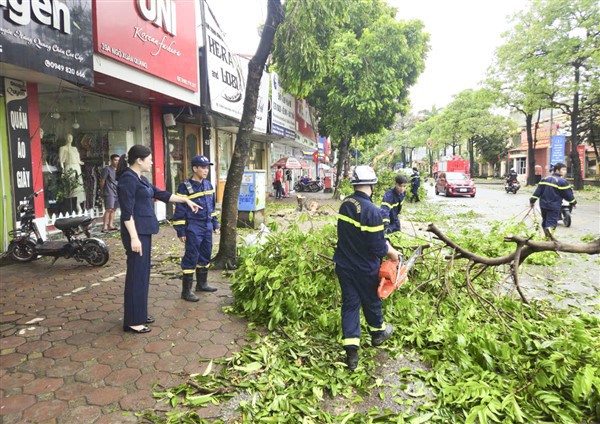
{"x":67,"y":184}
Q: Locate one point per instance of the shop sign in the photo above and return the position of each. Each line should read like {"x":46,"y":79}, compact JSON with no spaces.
{"x":154,"y":36}
{"x":304,"y":120}
{"x":557,"y":152}
{"x":19,"y":140}
{"x":49,"y":36}
{"x":262,"y":107}
{"x":283,"y":105}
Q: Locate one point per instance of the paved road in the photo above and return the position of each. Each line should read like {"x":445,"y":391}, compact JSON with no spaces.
{"x":574,"y":280}
{"x":493,"y":203}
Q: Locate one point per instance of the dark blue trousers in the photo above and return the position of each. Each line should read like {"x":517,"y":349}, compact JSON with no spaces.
{"x":137,"y":282}
{"x":550,"y":217}
{"x":198,"y":246}
{"x":359,"y":290}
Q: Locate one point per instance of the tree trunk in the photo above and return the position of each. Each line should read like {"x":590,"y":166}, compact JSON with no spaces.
{"x":227,"y":255}
{"x":343,"y":154}
{"x":470,"y":147}
{"x":530,"y":150}
{"x":574,"y":155}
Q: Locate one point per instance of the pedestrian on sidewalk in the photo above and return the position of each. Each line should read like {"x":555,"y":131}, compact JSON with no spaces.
{"x":415,"y":183}
{"x":196,"y":229}
{"x":551,"y":191}
{"x":138,"y":223}
{"x":361,"y":244}
{"x":391,"y":205}
{"x":108,"y":187}
{"x":279,"y":192}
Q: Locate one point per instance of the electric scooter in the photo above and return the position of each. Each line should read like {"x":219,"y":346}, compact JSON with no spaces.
{"x":27,"y":243}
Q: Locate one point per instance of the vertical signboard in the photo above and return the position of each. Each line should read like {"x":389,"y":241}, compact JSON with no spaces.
{"x":283,"y":110}
{"x":581,"y":152}
{"x":557,"y":152}
{"x":18,"y":139}
{"x":52,"y":37}
{"x":226,"y":79}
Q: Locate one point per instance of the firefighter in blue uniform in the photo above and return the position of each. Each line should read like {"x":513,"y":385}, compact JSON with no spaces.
{"x":196,"y":230}
{"x":415,"y":183}
{"x":360,"y":246}
{"x":391,"y":205}
{"x":551,"y":191}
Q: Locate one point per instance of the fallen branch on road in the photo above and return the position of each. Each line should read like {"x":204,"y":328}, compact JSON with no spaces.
{"x":524,"y":248}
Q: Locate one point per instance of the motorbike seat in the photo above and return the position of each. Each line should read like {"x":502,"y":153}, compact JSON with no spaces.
{"x":68,"y":223}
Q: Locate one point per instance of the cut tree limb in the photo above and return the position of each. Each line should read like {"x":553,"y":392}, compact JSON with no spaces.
{"x":524,"y":248}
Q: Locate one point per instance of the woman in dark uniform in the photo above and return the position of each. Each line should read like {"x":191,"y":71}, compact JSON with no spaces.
{"x":138,"y":223}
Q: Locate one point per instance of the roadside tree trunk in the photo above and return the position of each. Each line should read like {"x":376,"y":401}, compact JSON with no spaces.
{"x":530,"y":150}
{"x":227,"y":255}
{"x":574,"y":155}
{"x":343,"y":156}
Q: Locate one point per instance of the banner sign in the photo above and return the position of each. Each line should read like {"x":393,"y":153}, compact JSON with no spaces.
{"x":51,"y":37}
{"x":154,"y":36}
{"x":557,"y":152}
{"x":283,"y":116}
{"x":262,"y":107}
{"x":226,"y":79}
{"x":581,"y":152}
{"x":19,"y":140}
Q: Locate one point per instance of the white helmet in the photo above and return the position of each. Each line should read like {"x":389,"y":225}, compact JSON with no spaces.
{"x":364,"y":175}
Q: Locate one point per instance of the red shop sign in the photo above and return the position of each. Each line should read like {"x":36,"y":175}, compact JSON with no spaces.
{"x":154,"y":36}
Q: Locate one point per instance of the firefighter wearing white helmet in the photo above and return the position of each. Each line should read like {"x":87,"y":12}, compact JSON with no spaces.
{"x":361,"y":244}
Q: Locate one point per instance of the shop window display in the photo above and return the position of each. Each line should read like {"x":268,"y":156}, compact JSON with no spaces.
{"x":81,"y":132}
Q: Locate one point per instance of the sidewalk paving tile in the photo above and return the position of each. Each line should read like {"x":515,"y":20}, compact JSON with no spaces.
{"x":64,"y":357}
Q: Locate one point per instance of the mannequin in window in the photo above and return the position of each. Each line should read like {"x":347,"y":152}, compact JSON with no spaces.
{"x":69,"y":159}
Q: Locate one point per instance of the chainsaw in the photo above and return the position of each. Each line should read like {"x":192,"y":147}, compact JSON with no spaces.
{"x":392,"y":274}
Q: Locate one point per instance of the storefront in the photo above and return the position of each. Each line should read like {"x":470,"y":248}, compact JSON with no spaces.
{"x":225,"y":77}
{"x":79,"y":132}
{"x":76,"y":89}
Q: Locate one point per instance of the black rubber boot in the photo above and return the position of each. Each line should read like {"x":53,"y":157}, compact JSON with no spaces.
{"x":201,"y":281}
{"x":379,"y":338}
{"x":351,"y":358}
{"x":186,"y":290}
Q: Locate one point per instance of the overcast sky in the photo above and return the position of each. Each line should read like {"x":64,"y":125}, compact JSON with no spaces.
{"x":464,"y":35}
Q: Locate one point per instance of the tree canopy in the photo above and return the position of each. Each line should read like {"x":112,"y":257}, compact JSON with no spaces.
{"x":352,"y":60}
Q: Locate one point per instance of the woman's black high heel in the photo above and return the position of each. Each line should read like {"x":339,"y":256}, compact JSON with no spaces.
{"x":150,"y":320}
{"x":144,"y":329}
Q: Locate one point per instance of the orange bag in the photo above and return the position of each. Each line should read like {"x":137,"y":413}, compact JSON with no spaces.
{"x":391,"y":278}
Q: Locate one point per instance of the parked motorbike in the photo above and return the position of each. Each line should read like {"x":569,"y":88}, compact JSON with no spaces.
{"x":27,"y":243}
{"x":310,"y":186}
{"x":565,"y":213}
{"x":512,"y":186}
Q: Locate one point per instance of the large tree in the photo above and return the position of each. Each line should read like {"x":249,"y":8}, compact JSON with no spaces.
{"x":228,"y":244}
{"x":352,"y":60}
{"x":520,"y":82}
{"x":468,"y":118}
{"x":571,"y":47}
{"x":551,"y":59}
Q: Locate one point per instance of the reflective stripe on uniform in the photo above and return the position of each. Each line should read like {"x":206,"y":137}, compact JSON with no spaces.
{"x":555,"y":185}
{"x":203,"y":266}
{"x":214,"y":213}
{"x":351,"y":342}
{"x":200,"y":194}
{"x":388,"y":205}
{"x":188,"y":271}
{"x":374,"y":329}
{"x":362,"y":227}
{"x":178,"y":222}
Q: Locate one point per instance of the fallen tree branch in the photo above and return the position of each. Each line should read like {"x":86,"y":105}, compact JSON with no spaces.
{"x":524,"y":248}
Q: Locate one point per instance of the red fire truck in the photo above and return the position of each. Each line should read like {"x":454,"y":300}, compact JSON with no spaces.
{"x":456,"y":164}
